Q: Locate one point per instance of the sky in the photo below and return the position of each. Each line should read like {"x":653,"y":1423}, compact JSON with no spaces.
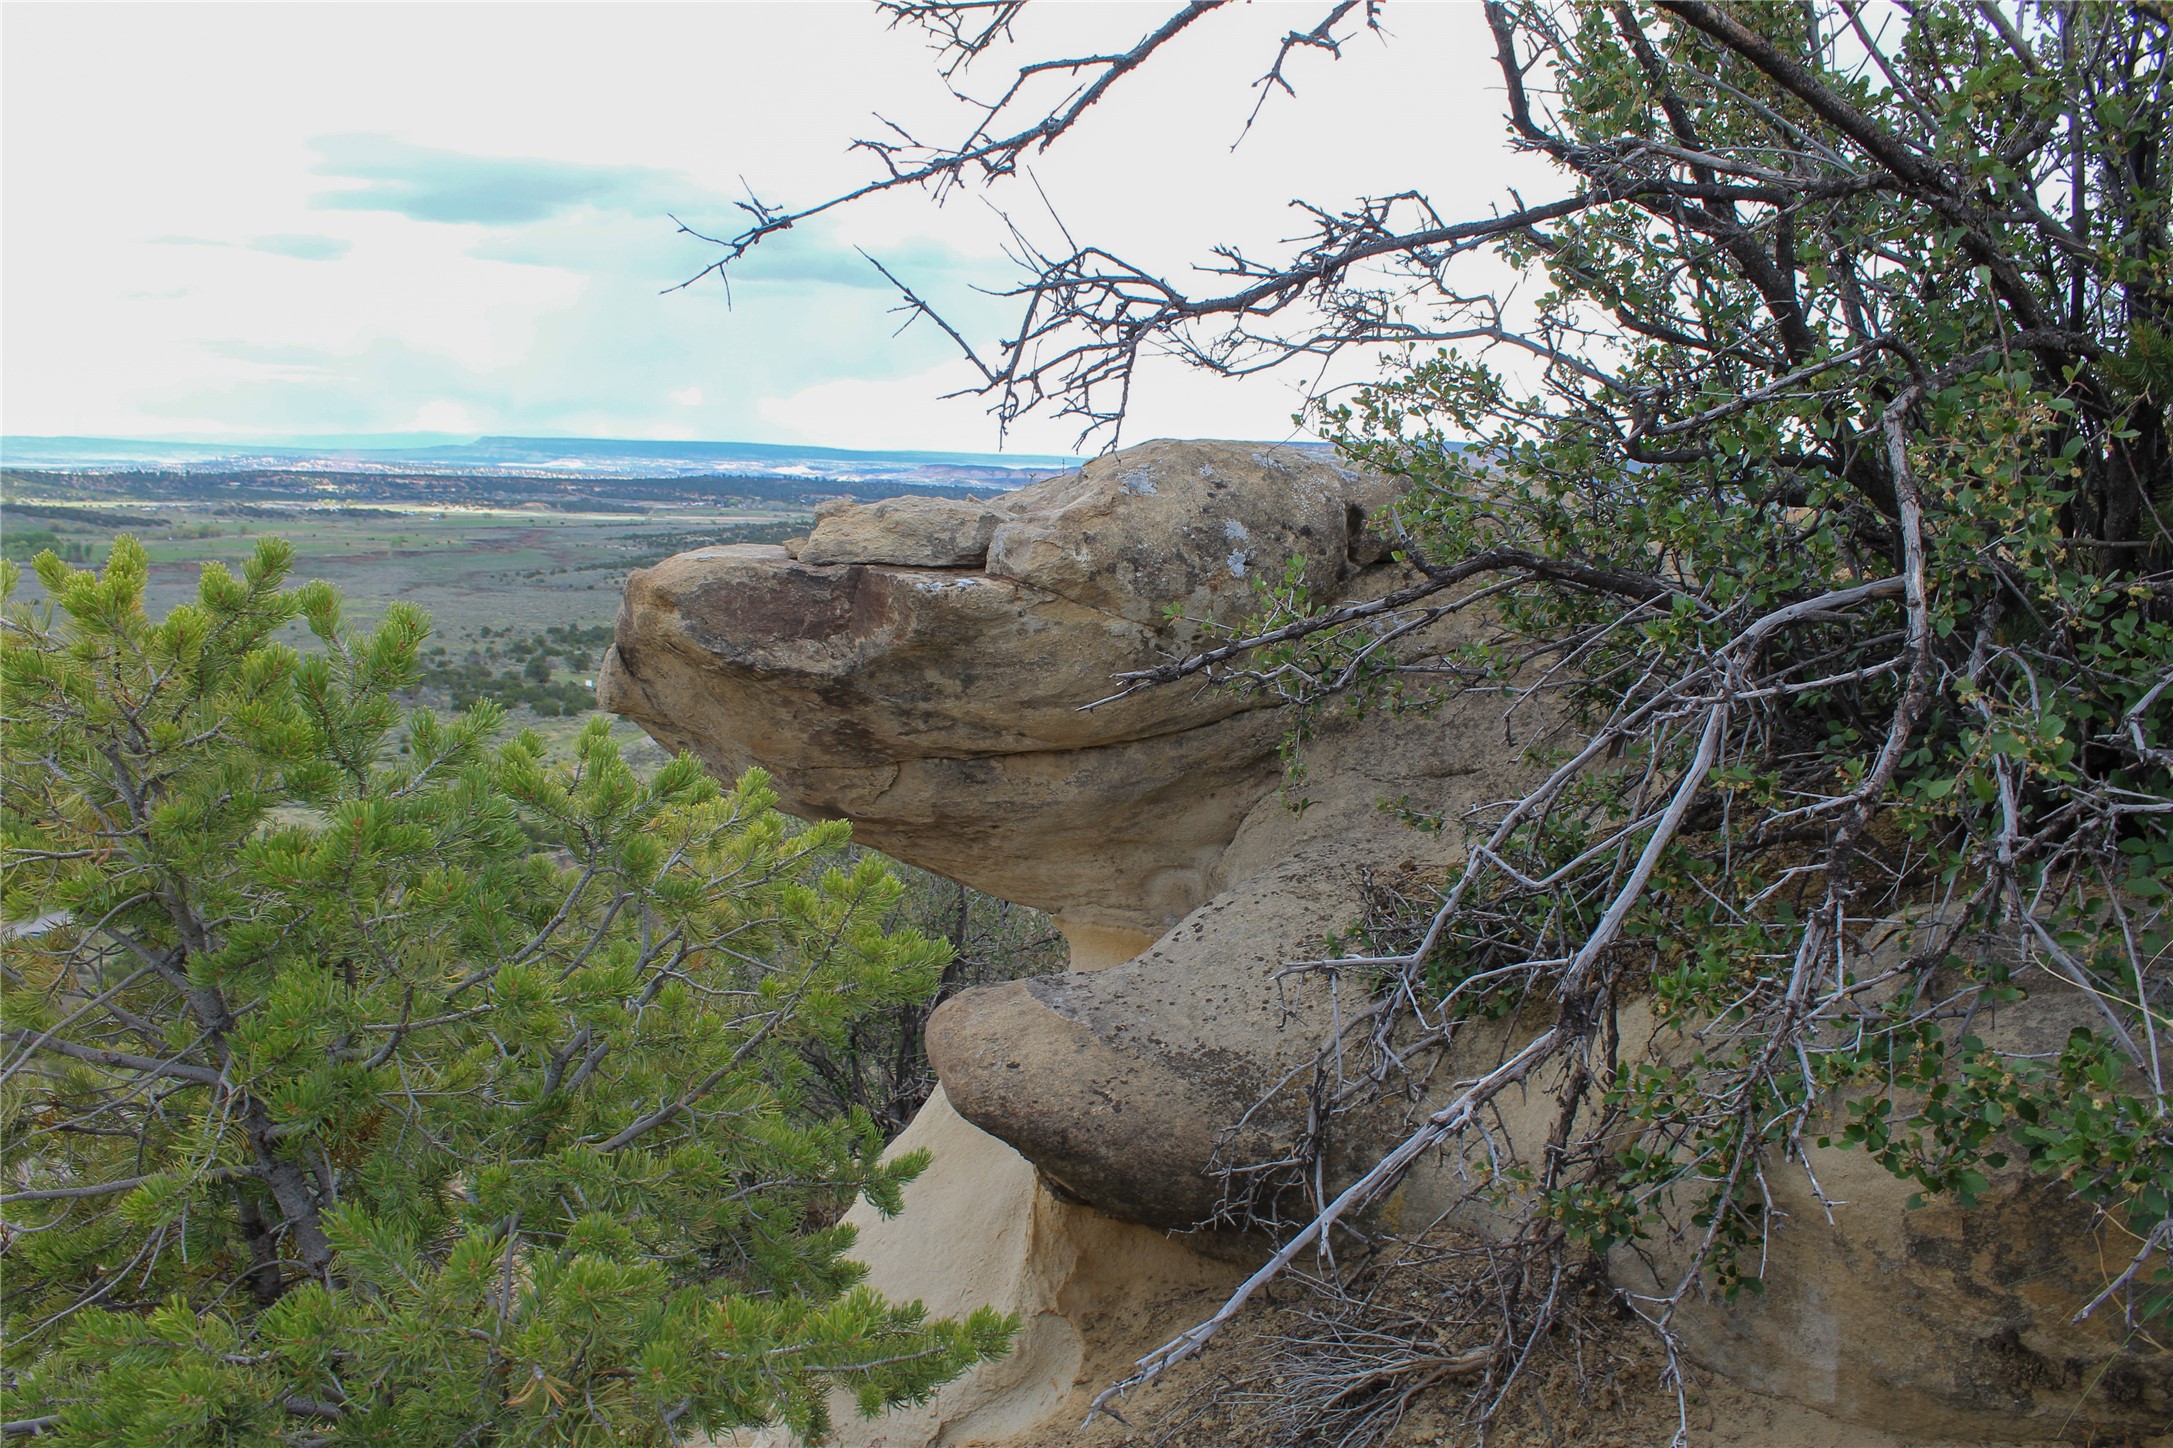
{"x":294,"y":221}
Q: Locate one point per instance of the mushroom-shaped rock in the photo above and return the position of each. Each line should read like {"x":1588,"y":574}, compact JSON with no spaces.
{"x":940,"y":709}
{"x":939,"y":705}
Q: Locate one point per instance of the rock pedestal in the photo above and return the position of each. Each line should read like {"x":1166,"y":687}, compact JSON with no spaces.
{"x":923,"y":669}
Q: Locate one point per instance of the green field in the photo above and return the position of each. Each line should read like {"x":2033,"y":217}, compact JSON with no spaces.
{"x":496,"y":580}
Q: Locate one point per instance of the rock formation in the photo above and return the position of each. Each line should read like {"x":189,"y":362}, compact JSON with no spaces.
{"x":920,"y":667}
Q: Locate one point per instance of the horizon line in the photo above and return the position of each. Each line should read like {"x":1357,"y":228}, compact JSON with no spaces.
{"x":364,"y":441}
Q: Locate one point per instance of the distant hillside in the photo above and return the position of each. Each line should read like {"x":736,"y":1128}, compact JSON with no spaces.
{"x":531,"y":457}
{"x":35,"y":489}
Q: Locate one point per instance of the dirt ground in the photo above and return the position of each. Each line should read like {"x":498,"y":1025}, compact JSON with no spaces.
{"x":1602,"y":1385}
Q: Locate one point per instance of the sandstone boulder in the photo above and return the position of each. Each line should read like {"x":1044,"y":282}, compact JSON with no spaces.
{"x":1924,"y":1320}
{"x":1188,"y":528}
{"x":939,"y":707}
{"x":941,"y":710}
{"x":1124,"y":1085}
{"x":911,"y":532}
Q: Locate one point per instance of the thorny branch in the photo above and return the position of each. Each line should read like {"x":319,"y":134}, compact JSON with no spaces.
{"x":1840,"y":290}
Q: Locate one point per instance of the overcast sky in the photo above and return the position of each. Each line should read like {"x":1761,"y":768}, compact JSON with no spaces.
{"x":266,"y":222}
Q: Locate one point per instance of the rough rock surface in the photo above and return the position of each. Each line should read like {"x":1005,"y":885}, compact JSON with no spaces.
{"x":940,"y":710}
{"x":1123,"y":1084}
{"x":984,"y":1231}
{"x":914,"y":532}
{"x":1926,"y":1322}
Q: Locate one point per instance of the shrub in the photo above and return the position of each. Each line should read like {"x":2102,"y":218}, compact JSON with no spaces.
{"x":360,"y":1094}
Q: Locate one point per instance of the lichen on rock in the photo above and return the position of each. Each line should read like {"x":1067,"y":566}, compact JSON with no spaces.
{"x":938,"y":705}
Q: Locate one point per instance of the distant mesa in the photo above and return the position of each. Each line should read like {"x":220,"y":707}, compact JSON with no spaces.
{"x":538,"y":456}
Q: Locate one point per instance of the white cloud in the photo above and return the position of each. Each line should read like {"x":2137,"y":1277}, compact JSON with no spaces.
{"x":898,"y":412}
{"x":539,"y":306}
{"x":443,"y":416}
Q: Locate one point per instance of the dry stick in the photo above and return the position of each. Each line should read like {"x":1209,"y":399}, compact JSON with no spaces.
{"x":1603,"y":739}
{"x":1663,"y":834}
{"x":102,"y":999}
{"x":1458,"y":1114}
{"x":1494,"y":560}
{"x":1766,"y":393}
{"x":1435,"y":1129}
{"x":118,"y":1060}
{"x":2133,"y":720}
{"x":107,"y":1189}
{"x":2158,"y":1236}
{"x":997,"y":156}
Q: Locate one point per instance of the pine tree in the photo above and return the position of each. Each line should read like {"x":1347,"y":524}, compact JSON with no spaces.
{"x":376,"y":1079}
